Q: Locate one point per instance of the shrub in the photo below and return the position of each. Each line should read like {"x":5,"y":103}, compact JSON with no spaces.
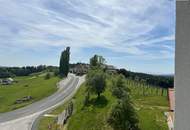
{"x":47,"y":76}
{"x":123,"y":116}
{"x":86,"y":98}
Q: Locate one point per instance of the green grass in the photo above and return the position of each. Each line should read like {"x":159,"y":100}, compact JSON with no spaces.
{"x":45,"y":121}
{"x":152,"y":119}
{"x":34,"y":85}
{"x":94,"y":116}
{"x":151,"y":112}
{"x":84,"y":118}
{"x":150,"y":104}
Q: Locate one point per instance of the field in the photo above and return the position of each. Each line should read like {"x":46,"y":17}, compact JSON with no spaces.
{"x":34,"y":85}
{"x":150,"y":104}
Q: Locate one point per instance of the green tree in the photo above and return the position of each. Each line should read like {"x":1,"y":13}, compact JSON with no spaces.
{"x":47,"y":76}
{"x":119,"y":88}
{"x":123,"y":116}
{"x":97,"y":61}
{"x":96,"y":81}
{"x":56,"y":72}
{"x":94,"y":61}
{"x":64,"y":62}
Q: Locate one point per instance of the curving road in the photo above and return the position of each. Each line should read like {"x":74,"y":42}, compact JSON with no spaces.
{"x":22,"y":119}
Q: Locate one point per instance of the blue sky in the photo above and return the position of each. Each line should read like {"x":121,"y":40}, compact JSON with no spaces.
{"x":138,"y":35}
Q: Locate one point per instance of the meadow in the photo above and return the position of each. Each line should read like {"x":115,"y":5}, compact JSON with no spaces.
{"x":34,"y":85}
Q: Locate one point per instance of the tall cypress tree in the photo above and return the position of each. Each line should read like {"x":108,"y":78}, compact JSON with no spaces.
{"x":61,"y":66}
{"x":64,"y":62}
{"x":67,"y":60}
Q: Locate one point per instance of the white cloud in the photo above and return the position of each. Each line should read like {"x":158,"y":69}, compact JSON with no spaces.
{"x":118,"y":25}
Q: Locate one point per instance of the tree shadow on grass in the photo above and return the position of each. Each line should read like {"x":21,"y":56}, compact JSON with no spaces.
{"x":99,"y":102}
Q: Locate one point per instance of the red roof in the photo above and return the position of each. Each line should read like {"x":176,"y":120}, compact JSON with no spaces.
{"x":171,"y":95}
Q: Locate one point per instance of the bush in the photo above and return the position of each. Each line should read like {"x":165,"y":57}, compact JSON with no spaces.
{"x":47,"y":76}
{"x":123,"y":116}
{"x":119,"y":92}
{"x":119,"y":88}
{"x":56,"y":72}
{"x":86,"y":98}
{"x":70,"y":108}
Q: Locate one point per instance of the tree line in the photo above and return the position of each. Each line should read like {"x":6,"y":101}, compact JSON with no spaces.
{"x":155,"y":80}
{"x":62,"y":70}
{"x":6,"y":72}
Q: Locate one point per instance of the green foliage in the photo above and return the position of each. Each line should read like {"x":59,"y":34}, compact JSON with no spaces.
{"x":119,"y":88}
{"x":96,"y":81}
{"x":64,"y":62}
{"x":96,"y":61}
{"x":56,"y":72}
{"x":93,"y":116}
{"x":155,"y":80}
{"x":123,"y":116}
{"x":119,"y":93}
{"x":142,"y":89}
{"x":70,"y":108}
{"x":6,"y":72}
{"x":86,"y":99}
{"x":47,"y":76}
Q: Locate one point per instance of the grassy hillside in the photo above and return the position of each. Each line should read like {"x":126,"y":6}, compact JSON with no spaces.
{"x":94,"y":116}
{"x":150,"y":104}
{"x":34,"y":85}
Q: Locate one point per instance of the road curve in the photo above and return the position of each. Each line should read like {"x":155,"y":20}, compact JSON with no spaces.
{"x":65,"y":90}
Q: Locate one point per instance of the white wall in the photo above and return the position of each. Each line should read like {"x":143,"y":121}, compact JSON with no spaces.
{"x":182,"y":66}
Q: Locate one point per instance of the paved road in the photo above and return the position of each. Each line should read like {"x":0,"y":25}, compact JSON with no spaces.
{"x":23,"y":118}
